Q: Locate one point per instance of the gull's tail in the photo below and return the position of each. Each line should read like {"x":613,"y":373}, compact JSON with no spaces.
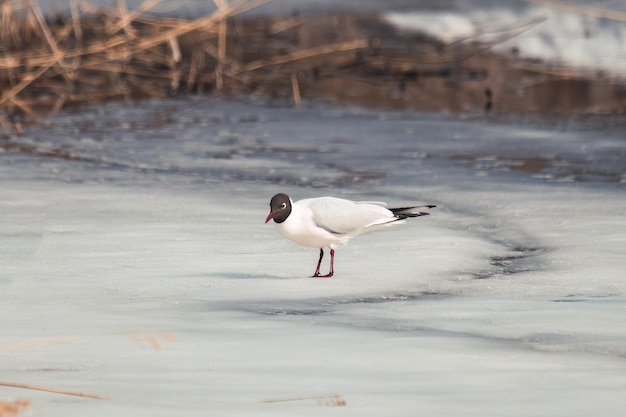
{"x":405,"y":212}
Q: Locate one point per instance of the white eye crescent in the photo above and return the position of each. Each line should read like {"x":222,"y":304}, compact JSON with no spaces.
{"x":283,"y":206}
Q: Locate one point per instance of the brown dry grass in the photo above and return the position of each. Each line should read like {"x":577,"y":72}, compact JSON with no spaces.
{"x":11,"y":408}
{"x":98,"y":53}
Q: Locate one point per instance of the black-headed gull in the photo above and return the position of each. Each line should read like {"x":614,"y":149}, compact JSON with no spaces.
{"x":329,"y":221}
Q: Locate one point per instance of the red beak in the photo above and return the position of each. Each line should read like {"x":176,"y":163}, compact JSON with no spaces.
{"x":269,"y":217}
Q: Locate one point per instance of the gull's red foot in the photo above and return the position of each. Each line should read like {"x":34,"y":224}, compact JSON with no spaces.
{"x":319,"y":263}
{"x":330,"y":274}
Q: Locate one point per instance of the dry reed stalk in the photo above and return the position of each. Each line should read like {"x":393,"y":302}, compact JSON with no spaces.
{"x":9,"y":62}
{"x":333,"y":400}
{"x":508,"y":31}
{"x":306,"y":53}
{"x":127,"y":18}
{"x":34,"y":58}
{"x":197,"y":62}
{"x":7,"y":23}
{"x":63,"y":96}
{"x":213,"y":52}
{"x":222,"y":5}
{"x":175,"y":77}
{"x":222,"y":31}
{"x":26,"y":80}
{"x":25,"y":106}
{"x":508,"y":34}
{"x":233,"y":66}
{"x":41,"y":20}
{"x":57,"y":54}
{"x":221,"y":48}
{"x":114,"y":13}
{"x":585,"y":10}
{"x":286,"y":24}
{"x":295,"y":87}
{"x":124,"y":21}
{"x":39,"y":343}
{"x":54,"y":390}
{"x":239,"y":7}
{"x":153,"y":57}
{"x":552,"y":70}
{"x":176,"y":55}
{"x":75,"y":13}
{"x":63,"y":33}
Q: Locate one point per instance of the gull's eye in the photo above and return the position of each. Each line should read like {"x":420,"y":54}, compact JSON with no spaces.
{"x":283,"y":206}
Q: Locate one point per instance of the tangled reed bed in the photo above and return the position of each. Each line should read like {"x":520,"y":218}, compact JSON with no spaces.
{"x":92,"y":54}
{"x":96,"y":53}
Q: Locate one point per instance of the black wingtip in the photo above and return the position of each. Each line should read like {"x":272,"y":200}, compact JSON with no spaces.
{"x":406,"y":212}
{"x":406,"y":216}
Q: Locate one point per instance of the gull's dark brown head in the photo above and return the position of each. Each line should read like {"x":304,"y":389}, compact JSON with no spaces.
{"x":280,"y":208}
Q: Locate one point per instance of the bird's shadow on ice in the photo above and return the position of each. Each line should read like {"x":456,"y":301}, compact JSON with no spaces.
{"x":243,"y":275}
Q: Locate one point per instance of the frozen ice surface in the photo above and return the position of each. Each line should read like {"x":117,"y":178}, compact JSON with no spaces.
{"x":136,"y":265}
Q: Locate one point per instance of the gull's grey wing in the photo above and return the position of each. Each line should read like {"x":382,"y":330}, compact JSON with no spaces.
{"x":347,"y":217}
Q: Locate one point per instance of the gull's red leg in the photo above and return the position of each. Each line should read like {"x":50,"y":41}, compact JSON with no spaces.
{"x":332,"y":263}
{"x":319,"y":263}
{"x":332,"y":266}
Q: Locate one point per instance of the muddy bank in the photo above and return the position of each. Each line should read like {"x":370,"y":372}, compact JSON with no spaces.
{"x":400,"y":70}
